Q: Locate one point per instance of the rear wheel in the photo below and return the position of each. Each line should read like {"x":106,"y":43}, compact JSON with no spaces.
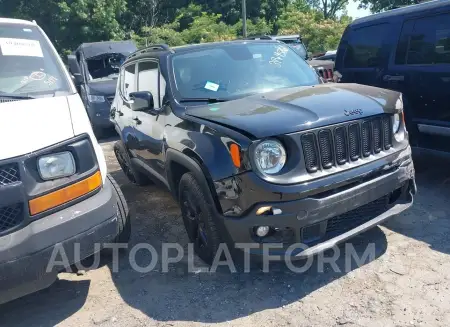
{"x":132,"y":174}
{"x":123,"y":214}
{"x":198,"y":218}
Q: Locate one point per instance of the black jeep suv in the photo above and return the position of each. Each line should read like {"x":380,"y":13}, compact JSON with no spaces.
{"x":257,"y":150}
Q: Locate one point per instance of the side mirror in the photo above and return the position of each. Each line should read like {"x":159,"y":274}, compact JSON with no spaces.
{"x":143,"y":101}
{"x":74,"y":69}
{"x":77,"y":79}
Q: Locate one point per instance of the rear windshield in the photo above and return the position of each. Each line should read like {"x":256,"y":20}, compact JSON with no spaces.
{"x":28,"y":66}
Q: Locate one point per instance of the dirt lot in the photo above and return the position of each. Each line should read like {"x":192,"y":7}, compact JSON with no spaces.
{"x":406,"y":285}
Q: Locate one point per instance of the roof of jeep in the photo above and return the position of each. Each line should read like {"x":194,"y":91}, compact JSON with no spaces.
{"x":210,"y":45}
{"x":15,"y":21}
{"x":402,"y":11}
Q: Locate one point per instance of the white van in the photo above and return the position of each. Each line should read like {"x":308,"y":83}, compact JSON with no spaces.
{"x":54,"y":187}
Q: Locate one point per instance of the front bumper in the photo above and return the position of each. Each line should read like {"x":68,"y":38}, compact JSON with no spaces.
{"x":25,"y":254}
{"x":99,"y":114}
{"x":335,"y":214}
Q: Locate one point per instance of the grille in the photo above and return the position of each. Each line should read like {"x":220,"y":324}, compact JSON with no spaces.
{"x":348,"y":142}
{"x":352,"y":219}
{"x":326,"y":74}
{"x":310,"y":152}
{"x":10,"y":217}
{"x":341,"y":145}
{"x":9,"y":174}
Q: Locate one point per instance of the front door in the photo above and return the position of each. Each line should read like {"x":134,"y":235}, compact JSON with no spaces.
{"x":424,"y":62}
{"x":149,"y":129}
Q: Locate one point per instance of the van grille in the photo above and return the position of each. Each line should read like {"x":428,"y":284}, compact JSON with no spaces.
{"x":335,"y":146}
{"x":10,"y":217}
{"x":9,"y":174}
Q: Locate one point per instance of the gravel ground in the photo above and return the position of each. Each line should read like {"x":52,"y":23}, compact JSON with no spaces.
{"x":407,"y":283}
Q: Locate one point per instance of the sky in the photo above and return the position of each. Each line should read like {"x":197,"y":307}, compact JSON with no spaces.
{"x":353,"y":11}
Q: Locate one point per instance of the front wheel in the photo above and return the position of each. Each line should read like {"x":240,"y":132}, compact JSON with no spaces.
{"x":123,"y":214}
{"x":198,"y":218}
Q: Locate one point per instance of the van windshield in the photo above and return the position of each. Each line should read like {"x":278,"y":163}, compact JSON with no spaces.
{"x":105,"y":65}
{"x":28,"y":65}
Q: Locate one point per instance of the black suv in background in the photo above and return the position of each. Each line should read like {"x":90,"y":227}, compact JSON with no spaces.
{"x":406,"y":50}
{"x":256,"y":149}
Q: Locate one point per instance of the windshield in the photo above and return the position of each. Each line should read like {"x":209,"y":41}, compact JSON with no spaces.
{"x":232,"y":70}
{"x":105,"y":65}
{"x":28,"y":65}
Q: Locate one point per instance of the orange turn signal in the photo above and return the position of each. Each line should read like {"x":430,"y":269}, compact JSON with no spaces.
{"x":235,"y":155}
{"x":65,"y":194}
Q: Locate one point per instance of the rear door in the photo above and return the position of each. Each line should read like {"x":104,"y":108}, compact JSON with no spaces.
{"x":363,"y":54}
{"x":421,"y":70}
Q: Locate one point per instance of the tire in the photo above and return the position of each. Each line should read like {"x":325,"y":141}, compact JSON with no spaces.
{"x":132,"y":174}
{"x":123,"y":214}
{"x":198,"y":218}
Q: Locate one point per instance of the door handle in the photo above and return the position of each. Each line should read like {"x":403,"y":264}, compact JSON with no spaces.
{"x":396,"y":78}
{"x":137,"y":120}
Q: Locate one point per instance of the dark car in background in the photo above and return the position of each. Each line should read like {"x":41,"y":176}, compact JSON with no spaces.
{"x":407,"y":50}
{"x":95,"y":67}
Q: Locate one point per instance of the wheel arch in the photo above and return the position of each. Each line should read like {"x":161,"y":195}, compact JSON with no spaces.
{"x":178,"y":163}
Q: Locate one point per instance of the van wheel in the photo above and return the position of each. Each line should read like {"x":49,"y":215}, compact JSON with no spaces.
{"x":132,"y":174}
{"x":123,"y":214}
{"x":198,"y":218}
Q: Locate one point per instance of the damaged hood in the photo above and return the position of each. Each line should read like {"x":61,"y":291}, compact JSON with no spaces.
{"x":296,"y":109}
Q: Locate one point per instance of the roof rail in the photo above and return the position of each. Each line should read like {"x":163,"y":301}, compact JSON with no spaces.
{"x":152,"y":47}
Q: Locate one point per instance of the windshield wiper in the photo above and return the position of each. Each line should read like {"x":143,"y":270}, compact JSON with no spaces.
{"x":209,"y":100}
{"x":16,"y":96}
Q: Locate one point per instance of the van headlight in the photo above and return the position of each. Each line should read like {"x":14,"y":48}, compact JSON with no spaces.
{"x":270,"y":157}
{"x":96,"y":98}
{"x":56,"y":165}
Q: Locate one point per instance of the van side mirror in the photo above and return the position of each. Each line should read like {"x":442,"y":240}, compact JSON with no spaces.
{"x":143,"y":101}
{"x":74,"y":69}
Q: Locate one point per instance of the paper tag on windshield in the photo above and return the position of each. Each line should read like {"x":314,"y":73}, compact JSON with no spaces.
{"x":212,"y":86}
{"x":20,"y":47}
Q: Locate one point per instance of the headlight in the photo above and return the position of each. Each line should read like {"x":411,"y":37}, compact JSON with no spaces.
{"x":395,"y":123}
{"x":96,"y":98}
{"x":270,"y":157}
{"x":56,"y":165}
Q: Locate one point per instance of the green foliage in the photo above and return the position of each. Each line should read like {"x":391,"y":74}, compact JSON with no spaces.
{"x":176,"y":22}
{"x":318,"y":34}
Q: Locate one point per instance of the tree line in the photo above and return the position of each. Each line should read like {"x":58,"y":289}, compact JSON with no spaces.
{"x":71,"y":22}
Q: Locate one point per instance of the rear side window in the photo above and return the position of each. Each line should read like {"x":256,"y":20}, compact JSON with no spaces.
{"x":429,"y":42}
{"x":364,"y":46}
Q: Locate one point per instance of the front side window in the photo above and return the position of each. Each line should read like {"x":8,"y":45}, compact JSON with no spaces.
{"x":364,"y":46}
{"x":128,"y":82}
{"x":429,"y":42}
{"x":297,"y":45}
{"x":234,"y":70}
{"x":149,"y":79}
{"x":28,"y":65}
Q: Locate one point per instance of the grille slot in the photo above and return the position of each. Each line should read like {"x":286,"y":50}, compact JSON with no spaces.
{"x":366,"y":139}
{"x":310,"y":152}
{"x":326,"y":148}
{"x":10,"y":217}
{"x":9,"y":174}
{"x":377,"y":135}
{"x":387,"y":141}
{"x":354,"y":141}
{"x":341,"y":145}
